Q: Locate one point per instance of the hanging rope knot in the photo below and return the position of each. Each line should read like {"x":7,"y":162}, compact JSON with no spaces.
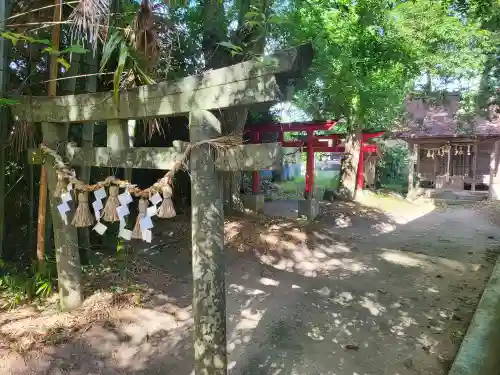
{"x":109,"y":180}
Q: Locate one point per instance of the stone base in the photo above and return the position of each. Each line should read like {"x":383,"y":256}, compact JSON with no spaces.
{"x":254,"y":202}
{"x":494,"y":192}
{"x":309,"y":208}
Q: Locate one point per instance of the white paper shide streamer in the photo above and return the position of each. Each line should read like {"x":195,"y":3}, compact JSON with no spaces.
{"x":122,"y":210}
{"x":98,"y":206}
{"x":63,"y":208}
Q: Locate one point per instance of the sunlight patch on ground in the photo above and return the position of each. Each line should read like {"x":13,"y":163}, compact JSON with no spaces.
{"x":311,"y":263}
{"x":408,"y":259}
{"x":277,"y":241}
{"x":232,"y":230}
{"x":235,"y":288}
{"x":297,"y":235}
{"x":247,"y":319}
{"x":383,"y":228}
{"x":143,"y":322}
{"x":400,"y":258}
{"x":269,"y":282}
{"x":337,"y":248}
{"x":373,"y":307}
{"x":343,"y":221}
{"x":404,"y":321}
{"x":398,"y":209}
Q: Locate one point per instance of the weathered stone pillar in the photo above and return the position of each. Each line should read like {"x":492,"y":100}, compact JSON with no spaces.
{"x":494,"y":192}
{"x":65,"y":236}
{"x":209,"y":294}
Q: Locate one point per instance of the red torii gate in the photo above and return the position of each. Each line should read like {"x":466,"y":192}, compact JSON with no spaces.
{"x":313,"y":144}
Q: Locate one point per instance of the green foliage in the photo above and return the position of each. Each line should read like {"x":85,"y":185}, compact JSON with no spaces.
{"x":17,"y":37}
{"x":119,"y":49}
{"x":25,"y":284}
{"x":392,"y":168}
{"x":445,"y":45}
{"x":362,"y":64}
{"x":7,"y":102}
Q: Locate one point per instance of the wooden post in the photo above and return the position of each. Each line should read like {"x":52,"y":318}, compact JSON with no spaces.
{"x":255,"y":174}
{"x":209,"y":294}
{"x":416,"y":152}
{"x":474,"y":167}
{"x":51,"y":91}
{"x":65,"y":236}
{"x":448,"y":166}
{"x":411,"y":166}
{"x":310,"y":166}
{"x":360,"y":173}
{"x":435,"y":170}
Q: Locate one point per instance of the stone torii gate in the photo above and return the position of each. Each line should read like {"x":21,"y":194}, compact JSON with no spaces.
{"x":245,"y":84}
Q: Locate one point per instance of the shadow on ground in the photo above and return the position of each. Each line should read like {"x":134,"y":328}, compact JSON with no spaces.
{"x":359,"y":291}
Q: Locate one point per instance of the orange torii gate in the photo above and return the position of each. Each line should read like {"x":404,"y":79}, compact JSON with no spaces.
{"x":312,"y":144}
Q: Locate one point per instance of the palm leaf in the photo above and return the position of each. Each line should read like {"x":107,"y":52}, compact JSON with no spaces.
{"x":89,"y":20}
{"x":22,"y":136}
{"x":109,"y":47}
{"x":122,"y":60}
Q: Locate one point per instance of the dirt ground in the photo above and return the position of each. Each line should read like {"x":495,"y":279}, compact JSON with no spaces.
{"x":384,"y":287}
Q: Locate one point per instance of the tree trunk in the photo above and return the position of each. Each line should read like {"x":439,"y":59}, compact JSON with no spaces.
{"x":92,"y":66}
{"x":349,"y":166}
{"x":51,"y":91}
{"x":233,"y":120}
{"x":4,"y":114}
{"x":428,"y":84}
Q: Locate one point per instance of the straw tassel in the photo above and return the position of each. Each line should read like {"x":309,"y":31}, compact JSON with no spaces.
{"x":143,"y":207}
{"x":83,"y":217}
{"x":112,"y":203}
{"x":167,"y":209}
{"x":60,"y":186}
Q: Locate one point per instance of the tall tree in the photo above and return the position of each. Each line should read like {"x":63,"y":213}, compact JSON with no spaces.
{"x":4,"y":113}
{"x":361,"y":70}
{"x":220,"y":49}
{"x":485,"y":15}
{"x":446,"y":46}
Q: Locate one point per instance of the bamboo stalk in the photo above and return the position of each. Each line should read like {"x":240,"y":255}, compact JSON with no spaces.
{"x":51,"y":91}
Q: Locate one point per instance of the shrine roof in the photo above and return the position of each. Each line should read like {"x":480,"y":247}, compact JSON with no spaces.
{"x":427,"y":118}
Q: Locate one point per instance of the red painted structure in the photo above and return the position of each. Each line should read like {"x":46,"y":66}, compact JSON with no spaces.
{"x":313,"y":144}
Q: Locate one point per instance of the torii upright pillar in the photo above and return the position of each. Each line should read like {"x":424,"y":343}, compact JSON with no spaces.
{"x":310,"y":206}
{"x":255,"y":201}
{"x":360,"y":180}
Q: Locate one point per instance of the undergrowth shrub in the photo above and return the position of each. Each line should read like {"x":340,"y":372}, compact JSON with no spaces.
{"x":392,"y":168}
{"x":21,"y":284}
